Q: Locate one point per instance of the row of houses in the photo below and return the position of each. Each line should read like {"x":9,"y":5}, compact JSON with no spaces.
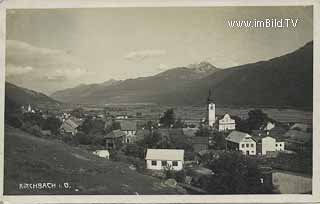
{"x":249,"y":145}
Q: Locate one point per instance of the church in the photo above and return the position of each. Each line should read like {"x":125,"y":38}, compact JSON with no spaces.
{"x":224,"y":124}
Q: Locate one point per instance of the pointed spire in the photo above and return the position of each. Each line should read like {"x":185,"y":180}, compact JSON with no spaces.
{"x":210,"y":96}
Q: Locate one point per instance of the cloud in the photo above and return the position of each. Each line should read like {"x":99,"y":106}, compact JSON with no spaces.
{"x":41,"y":67}
{"x":17,"y":70}
{"x":144,"y":54}
{"x":23,"y":58}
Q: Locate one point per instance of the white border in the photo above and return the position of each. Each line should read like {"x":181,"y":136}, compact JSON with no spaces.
{"x":283,"y":198}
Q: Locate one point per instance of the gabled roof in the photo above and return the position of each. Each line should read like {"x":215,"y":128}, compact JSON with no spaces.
{"x":237,"y":136}
{"x":69,"y":126}
{"x":115,"y":134}
{"x":165,"y":154}
{"x":128,"y":125}
{"x":298,"y":136}
{"x":71,"y":123}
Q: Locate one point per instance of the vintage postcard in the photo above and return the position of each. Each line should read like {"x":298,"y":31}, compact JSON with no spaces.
{"x":159,"y":102}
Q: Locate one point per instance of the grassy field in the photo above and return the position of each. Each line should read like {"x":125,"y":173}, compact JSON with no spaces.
{"x":292,"y":183}
{"x":198,"y":112}
{"x":30,"y":159}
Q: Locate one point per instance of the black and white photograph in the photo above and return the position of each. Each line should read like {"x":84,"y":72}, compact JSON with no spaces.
{"x":211,"y":100}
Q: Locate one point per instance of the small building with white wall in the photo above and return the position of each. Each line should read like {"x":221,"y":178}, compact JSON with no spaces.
{"x":102,"y":153}
{"x":241,"y":141}
{"x":269,"y":144}
{"x":227,"y":123}
{"x":158,"y":159}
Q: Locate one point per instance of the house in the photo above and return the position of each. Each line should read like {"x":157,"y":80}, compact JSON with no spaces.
{"x":129,"y":128}
{"x":269,"y":126}
{"x":227,"y":123}
{"x":158,"y":159}
{"x":114,"y":139}
{"x":237,"y":140}
{"x":269,"y":144}
{"x":200,"y":143}
{"x":69,"y":127}
{"x":102,"y":153}
{"x":125,"y":116}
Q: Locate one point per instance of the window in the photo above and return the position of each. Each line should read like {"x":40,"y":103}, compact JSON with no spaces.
{"x":164,"y":163}
{"x":252,"y":145}
{"x":247,"y":145}
{"x":276,"y":145}
{"x":242,"y":145}
{"x":252,"y":152}
{"x":280,"y":145}
{"x":174,"y":163}
{"x":154,"y":163}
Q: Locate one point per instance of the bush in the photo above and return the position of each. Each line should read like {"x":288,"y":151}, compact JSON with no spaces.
{"x":14,"y":121}
{"x":134,"y":150}
{"x":82,"y":138}
{"x":180,"y":176}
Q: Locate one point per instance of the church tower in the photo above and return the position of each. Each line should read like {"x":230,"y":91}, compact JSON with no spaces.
{"x":211,"y":110}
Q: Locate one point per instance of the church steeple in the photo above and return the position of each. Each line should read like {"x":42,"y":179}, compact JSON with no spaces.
{"x":209,"y":99}
{"x":211,"y":110}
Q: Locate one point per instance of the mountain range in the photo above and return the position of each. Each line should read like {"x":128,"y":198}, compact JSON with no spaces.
{"x":285,"y":81}
{"x":16,"y":96}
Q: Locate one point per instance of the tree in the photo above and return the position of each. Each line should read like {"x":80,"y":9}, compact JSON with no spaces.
{"x":219,"y":140}
{"x":235,"y":173}
{"x":53,"y":124}
{"x":77,"y":112}
{"x":90,"y":126}
{"x":255,"y":121}
{"x":178,"y":123}
{"x":168,"y":118}
{"x":83,"y":139}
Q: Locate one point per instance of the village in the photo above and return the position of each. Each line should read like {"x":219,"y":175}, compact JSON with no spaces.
{"x":200,"y":157}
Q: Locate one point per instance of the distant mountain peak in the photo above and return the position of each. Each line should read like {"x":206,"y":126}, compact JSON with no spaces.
{"x":202,"y":66}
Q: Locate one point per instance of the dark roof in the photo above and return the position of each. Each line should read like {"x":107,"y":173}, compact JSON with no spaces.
{"x":298,"y":136}
{"x":115,"y":134}
{"x":276,"y":132}
{"x":300,"y":126}
{"x":128,"y":125}
{"x":237,"y":136}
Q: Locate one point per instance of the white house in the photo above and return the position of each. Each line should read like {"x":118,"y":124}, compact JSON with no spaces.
{"x":269,"y":126}
{"x":158,"y":159}
{"x":227,"y":123}
{"x":269,"y":144}
{"x":241,"y":141}
{"x":129,"y":128}
{"x":102,"y":153}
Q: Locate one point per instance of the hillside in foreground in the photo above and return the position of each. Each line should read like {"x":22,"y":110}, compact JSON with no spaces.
{"x":53,"y":161}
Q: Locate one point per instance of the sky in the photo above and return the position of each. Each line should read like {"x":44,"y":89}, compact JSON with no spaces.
{"x":54,"y":49}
